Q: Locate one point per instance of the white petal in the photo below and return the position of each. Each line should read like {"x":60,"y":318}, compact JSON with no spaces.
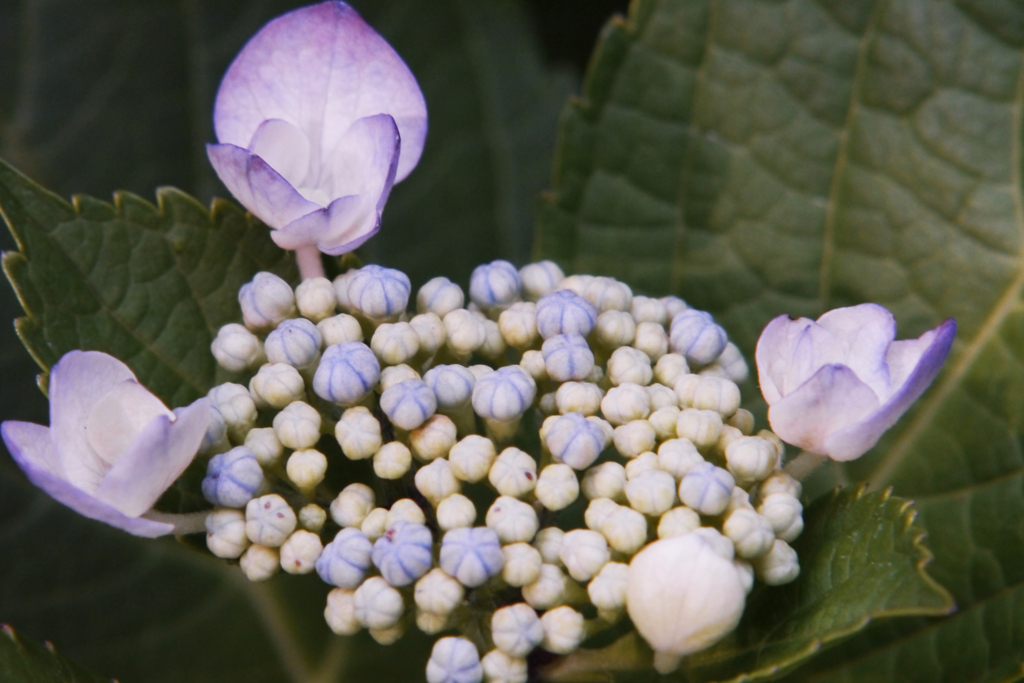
{"x":284,"y":147}
{"x":119,"y":417}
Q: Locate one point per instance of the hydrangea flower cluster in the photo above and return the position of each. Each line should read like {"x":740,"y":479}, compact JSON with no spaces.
{"x":637,"y":409}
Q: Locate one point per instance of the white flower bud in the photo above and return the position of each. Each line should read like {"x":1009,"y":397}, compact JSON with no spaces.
{"x":312,"y":517}
{"x":725,"y":439}
{"x":392,"y":461}
{"x":522,"y":564}
{"x":408,"y":404}
{"x":778,"y":566}
{"x":564,"y":630}
{"x":625,"y":403}
{"x":340,"y":329}
{"x":701,"y":427}
{"x":434,"y":438}
{"x":236,"y":348}
{"x":341,"y":284}
{"x":269,"y":520}
{"x":518,"y":325}
{"x":277,"y":385}
{"x":652,"y":492}
{"x":598,"y":510}
{"x":742,"y":420}
{"x":684,"y":388}
{"x":608,"y":589}
{"x":645,"y":309}
{"x":674,"y":305}
{"x":378,"y":293}
{"x":513,"y":520}
{"x":430,"y":332}
{"x":465,"y":332}
{"x":664,"y":420}
{"x":533,"y":363}
{"x":607,"y":294}
{"x":719,"y":395}
{"x":614,"y":329}
{"x":404,"y":510}
{"x":567,"y":357}
{"x":785,"y":513}
{"x":668,"y":369}
{"x":548,"y":543}
{"x":707,"y":489}
{"x":259,"y":562}
{"x":480,"y":371}
{"x":266,"y":301}
{"x":514,"y":473}
{"x":633,"y":438}
{"x":455,"y":512}
{"x":751,"y":533}
{"x":550,"y":588}
{"x":298,"y":425}
{"x":375,"y":524}
{"x":678,"y":521}
{"x":719,"y":543}
{"x":471,"y":458}
{"x":440,"y":296}
{"x":682,"y":597}
{"x":394,"y":343}
{"x":388,"y":636}
{"x":642,"y":463}
{"x":236,"y":407}
{"x":740,"y":500}
{"x":607,"y":480}
{"x":516,"y":629}
{"x":377,"y":605}
{"x":264,"y":444}
{"x":438,"y":593}
{"x":316,"y":299}
{"x":431,"y":623}
{"x":500,"y":668}
{"x":393,"y":374}
{"x":732,"y":362}
{"x":696,"y":335}
{"x":358,"y":433}
{"x":340,"y":612}
{"x":225,"y":533}
{"x":750,"y":459}
{"x":583,"y":553}
{"x":494,"y":286}
{"x":578,"y":397}
{"x":746,"y":574}
{"x":651,"y":340}
{"x":300,"y":552}
{"x":537,"y":279}
{"x":295,"y":342}
{"x":436,"y":481}
{"x":662,"y":397}
{"x":779,"y":482}
{"x":557,"y":487}
{"x":774,"y":438}
{"x":576,"y":283}
{"x":629,"y":365}
{"x":306,"y":468}
{"x":625,"y":529}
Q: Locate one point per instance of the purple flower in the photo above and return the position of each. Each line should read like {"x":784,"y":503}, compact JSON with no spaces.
{"x":112,"y":447}
{"x":317,"y":118}
{"x":835,"y":385}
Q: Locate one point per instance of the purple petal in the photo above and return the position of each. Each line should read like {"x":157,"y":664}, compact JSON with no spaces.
{"x":855,"y":440}
{"x":320,"y":68}
{"x":258,"y":187}
{"x":31,"y":447}
{"x":157,"y":456}
{"x":77,"y":382}
{"x":864,"y":334}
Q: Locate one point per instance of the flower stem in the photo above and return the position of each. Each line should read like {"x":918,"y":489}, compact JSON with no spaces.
{"x":804,"y":464}
{"x":310,"y":264}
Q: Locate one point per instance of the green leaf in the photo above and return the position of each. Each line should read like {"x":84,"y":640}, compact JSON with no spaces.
{"x":861,"y":558}
{"x":24,"y":661}
{"x":148,"y":284}
{"x":760,"y":158}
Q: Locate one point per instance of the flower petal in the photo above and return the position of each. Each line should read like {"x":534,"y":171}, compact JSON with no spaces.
{"x":284,"y":147}
{"x":864,"y":334}
{"x":157,"y":456}
{"x":832,"y":400}
{"x":258,"y":187}
{"x":320,"y":68}
{"x":31,"y":447}
{"x":77,"y":383}
{"x":789,"y":352}
{"x":915,"y":362}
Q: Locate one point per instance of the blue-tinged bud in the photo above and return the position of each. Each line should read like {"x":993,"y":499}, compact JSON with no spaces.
{"x":347,"y":372}
{"x":345,"y":560}
{"x":409,"y":403}
{"x":452,"y":385}
{"x":266,"y":301}
{"x":504,"y":394}
{"x":565,"y":312}
{"x":567,"y":357}
{"x":403,"y":553}
{"x":471,"y":555}
{"x":695,"y":335}
{"x":454,"y":660}
{"x":707,"y":489}
{"x":232,"y":478}
{"x":494,"y":285}
{"x":379,"y":293}
{"x":295,"y":342}
{"x":576,"y":441}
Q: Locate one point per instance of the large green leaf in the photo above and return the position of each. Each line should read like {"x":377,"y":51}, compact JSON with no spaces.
{"x":861,"y":559}
{"x":24,"y":661}
{"x":761,"y":158}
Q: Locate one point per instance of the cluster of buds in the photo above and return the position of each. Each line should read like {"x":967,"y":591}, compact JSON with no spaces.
{"x":637,"y":407}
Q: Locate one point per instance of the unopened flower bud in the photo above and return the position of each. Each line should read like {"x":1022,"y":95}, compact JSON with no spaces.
{"x":750,"y":459}
{"x":409,"y":403}
{"x":578,"y":397}
{"x":778,"y":566}
{"x":388,"y":636}
{"x":662,"y":397}
{"x":614,"y":329}
{"x":225,"y":533}
{"x":471,"y":458}
{"x":701,"y":427}
{"x":629,"y":365}
{"x":300,"y":552}
{"x":269,"y":520}
{"x":395,"y":343}
{"x":375,"y":523}
{"x":779,"y":482}
{"x":733,"y":364}
{"x":633,"y":438}
{"x":434,"y":438}
{"x":377,"y":605}
{"x":454,"y":660}
{"x":674,"y":305}
{"x":306,"y":468}
{"x":625,"y":529}
{"x":379,"y":293}
{"x":316,"y":299}
{"x":518,"y":325}
{"x":236,"y":407}
{"x":575,"y":440}
{"x":438,"y":593}
{"x":522,"y":564}
{"x":751,"y":533}
{"x":259,"y":562}
{"x":236,"y":348}
{"x":742,"y":420}
{"x":564,"y":630}
{"x":278,"y":384}
{"x":440,"y":296}
{"x":549,"y":590}
{"x":645,"y":309}
{"x":452,"y":385}
{"x":403,"y":553}
{"x":670,"y":368}
{"x":436,"y":481}
{"x":295,"y":342}
{"x":215,"y":439}
{"x":465,"y":332}
{"x":607,"y":480}
{"x":567,"y":357}
{"x":514,"y":473}
{"x":504,"y":395}
{"x":664,"y":421}
{"x":598,"y":510}
{"x":678,"y":521}
{"x":548,"y":543}
{"x":430,"y":332}
{"x":471,"y":555}
{"x":298,"y":425}
{"x":431,"y":623}
{"x":393,"y":374}
{"x":607,"y":591}
{"x":538,"y":279}
{"x":533,"y":363}
{"x":232,"y":478}
{"x":644,"y":462}
{"x":340,"y":329}
{"x":266,"y":301}
{"x":557,"y":487}
{"x":652,"y":492}
{"x":345,"y":560}
{"x":341,"y":288}
{"x":584,"y":553}
{"x":494,"y":285}
{"x":608,"y":294}
{"x":340,"y":612}
{"x":651,"y":340}
{"x":695,"y":335}
{"x":347,"y":372}
{"x":707,"y":489}
{"x":512,"y":520}
{"x":785,"y":513}
{"x":358,"y":433}
{"x":500,"y":668}
{"x":392,"y":461}
{"x":455,"y":511}
{"x":564,"y":312}
{"x":717,"y":394}
{"x":404,"y":510}
{"x":625,"y":403}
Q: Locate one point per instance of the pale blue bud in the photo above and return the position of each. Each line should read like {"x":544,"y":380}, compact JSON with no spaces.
{"x":565,"y":312}
{"x":295,"y":342}
{"x":440,"y":296}
{"x":695,"y":335}
{"x":567,"y":357}
{"x":494,"y":284}
{"x":403,"y":553}
{"x":452,"y":385}
{"x":471,"y":555}
{"x":378,"y":292}
{"x":408,"y":403}
{"x":576,"y":441}
{"x":232,"y":478}
{"x":344,"y":560}
{"x":266,"y":301}
{"x":505,"y":394}
{"x":707,"y":489}
{"x":347,"y":372}
{"x":454,"y":660}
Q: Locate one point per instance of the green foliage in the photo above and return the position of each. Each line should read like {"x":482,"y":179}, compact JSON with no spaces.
{"x":761,"y":158}
{"x":24,"y":661}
